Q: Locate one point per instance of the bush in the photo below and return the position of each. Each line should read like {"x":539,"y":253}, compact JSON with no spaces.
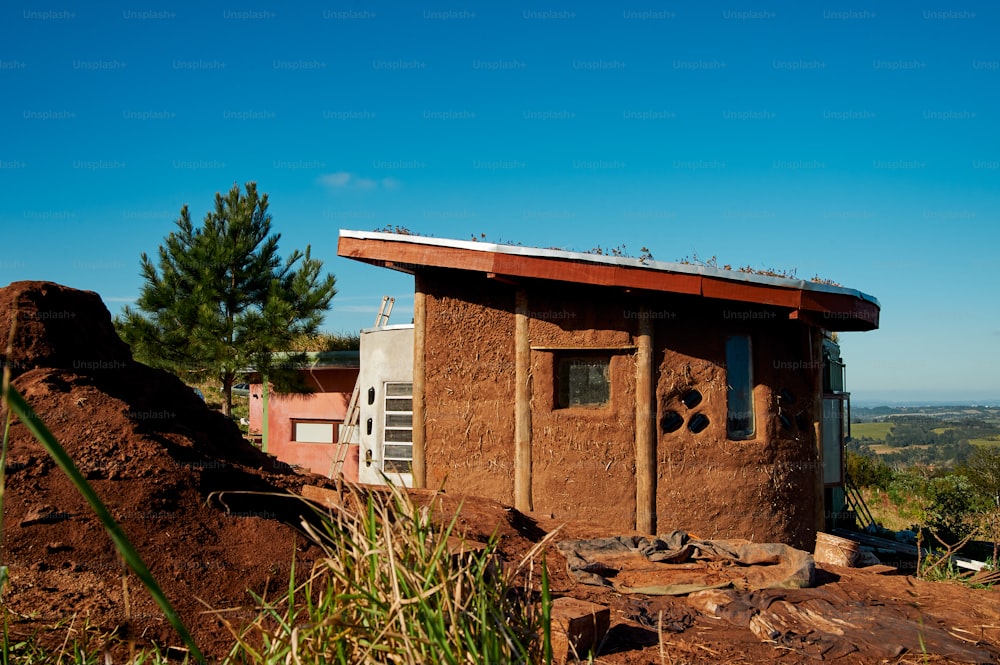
{"x":866,"y":471}
{"x":951,"y":506}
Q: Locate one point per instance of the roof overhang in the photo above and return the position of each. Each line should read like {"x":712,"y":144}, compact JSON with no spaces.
{"x":823,"y":305}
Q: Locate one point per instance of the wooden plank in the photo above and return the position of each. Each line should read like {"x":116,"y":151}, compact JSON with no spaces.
{"x":622,"y":347}
{"x":843,"y":311}
{"x":578,"y":627}
{"x":877,"y":542}
{"x":323,"y":496}
{"x":645,"y":433}
{"x":522,"y":403}
{"x":757,"y":294}
{"x":418,"y":469}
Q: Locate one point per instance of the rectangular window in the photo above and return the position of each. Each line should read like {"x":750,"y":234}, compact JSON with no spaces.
{"x":583,"y":379}
{"x":834,"y":417}
{"x":739,"y":384}
{"x":315,"y":431}
{"x":397,"y":450}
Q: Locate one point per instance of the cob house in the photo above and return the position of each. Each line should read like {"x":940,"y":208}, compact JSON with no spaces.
{"x":641,"y":395}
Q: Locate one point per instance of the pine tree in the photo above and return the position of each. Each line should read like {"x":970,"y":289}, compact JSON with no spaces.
{"x":221,"y":299}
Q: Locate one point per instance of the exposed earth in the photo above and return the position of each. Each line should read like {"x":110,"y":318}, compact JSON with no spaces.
{"x":158,"y":456}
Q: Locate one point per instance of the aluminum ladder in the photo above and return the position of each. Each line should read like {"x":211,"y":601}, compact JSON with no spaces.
{"x":353,"y":414}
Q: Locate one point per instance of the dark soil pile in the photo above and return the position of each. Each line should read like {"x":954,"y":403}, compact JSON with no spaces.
{"x":155,"y":454}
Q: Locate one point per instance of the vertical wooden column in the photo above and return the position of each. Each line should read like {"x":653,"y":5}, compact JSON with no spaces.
{"x":816,"y":348}
{"x":265,"y":424}
{"x":522,"y":403}
{"x":645,"y":430}
{"x":419,"y":470}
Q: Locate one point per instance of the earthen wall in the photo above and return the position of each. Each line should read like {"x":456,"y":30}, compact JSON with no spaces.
{"x":583,"y":458}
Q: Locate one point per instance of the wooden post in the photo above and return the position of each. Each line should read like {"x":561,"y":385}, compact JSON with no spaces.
{"x":816,"y":346}
{"x":265,"y":424}
{"x":419,"y":469}
{"x":522,"y":403}
{"x":645,"y":430}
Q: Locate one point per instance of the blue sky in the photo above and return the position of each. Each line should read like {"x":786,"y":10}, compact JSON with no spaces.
{"x":855,"y":141}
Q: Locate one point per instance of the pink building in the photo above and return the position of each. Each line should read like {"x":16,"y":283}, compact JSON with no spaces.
{"x":304,"y":430}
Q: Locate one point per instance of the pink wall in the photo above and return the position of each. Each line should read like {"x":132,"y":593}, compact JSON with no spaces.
{"x":256,"y":409}
{"x":333,"y":393}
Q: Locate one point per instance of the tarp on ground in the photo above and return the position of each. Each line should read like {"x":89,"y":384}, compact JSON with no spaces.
{"x":677,"y":563}
{"x":824,"y":624}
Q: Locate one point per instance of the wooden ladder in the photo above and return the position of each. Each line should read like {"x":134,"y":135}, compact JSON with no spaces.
{"x":353,"y":414}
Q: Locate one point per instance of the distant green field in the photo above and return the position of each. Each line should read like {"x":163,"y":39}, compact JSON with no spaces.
{"x":882,"y":449}
{"x":985,"y":442}
{"x":875,"y":431}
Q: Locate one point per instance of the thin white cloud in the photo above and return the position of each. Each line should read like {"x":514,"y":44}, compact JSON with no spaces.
{"x":346,"y":181}
{"x":338,"y":179}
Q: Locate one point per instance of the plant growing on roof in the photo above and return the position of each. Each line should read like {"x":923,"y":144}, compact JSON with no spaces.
{"x":220,"y":298}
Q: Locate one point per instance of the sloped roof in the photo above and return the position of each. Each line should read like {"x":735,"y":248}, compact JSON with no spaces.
{"x":824,"y":305}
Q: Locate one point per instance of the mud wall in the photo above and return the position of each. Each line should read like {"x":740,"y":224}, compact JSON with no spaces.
{"x":469,"y":385}
{"x":583,"y":458}
{"x":761,"y":488}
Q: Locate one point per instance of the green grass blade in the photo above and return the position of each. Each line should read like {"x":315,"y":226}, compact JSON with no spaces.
{"x":3,"y":485}
{"x":27,"y":416}
{"x":546,"y":615}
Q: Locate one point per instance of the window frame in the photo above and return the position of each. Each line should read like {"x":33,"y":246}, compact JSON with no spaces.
{"x":740,"y":399}
{"x":562,"y":399}
{"x":386,"y":427}
{"x":334,"y":427}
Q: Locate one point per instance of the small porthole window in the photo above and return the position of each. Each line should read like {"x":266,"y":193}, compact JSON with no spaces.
{"x":691,"y":399}
{"x":671,"y":422}
{"x":698,"y":422}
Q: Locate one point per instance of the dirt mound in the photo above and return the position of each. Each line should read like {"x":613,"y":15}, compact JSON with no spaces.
{"x":155,"y":454}
{"x":58,"y":327}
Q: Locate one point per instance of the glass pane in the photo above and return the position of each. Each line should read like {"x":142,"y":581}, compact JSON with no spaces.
{"x":399,"y":420}
{"x":583,"y":381}
{"x":399,"y":452}
{"x":399,"y":404}
{"x":399,"y":435}
{"x":312,"y":432}
{"x":833,"y":441}
{"x":398,"y":389}
{"x":396,"y":466}
{"x":739,"y":380}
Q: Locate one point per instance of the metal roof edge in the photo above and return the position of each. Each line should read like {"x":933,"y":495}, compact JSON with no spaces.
{"x":662,"y":266}
{"x":394,"y":326}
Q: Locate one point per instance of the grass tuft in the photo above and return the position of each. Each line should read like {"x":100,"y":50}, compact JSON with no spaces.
{"x":392,"y":587}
